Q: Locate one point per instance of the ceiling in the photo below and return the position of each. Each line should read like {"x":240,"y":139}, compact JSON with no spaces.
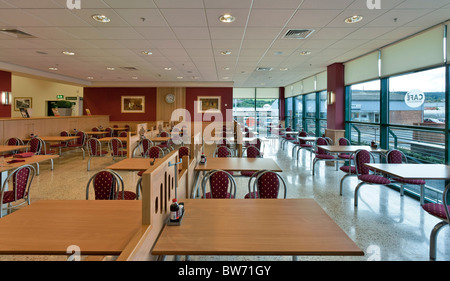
{"x":187,"y":37}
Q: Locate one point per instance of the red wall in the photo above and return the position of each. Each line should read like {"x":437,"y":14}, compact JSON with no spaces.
{"x":5,"y":85}
{"x":226,"y":95}
{"x":108,"y":101}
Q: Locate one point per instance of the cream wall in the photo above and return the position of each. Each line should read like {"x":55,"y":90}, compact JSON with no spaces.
{"x":41,"y":91}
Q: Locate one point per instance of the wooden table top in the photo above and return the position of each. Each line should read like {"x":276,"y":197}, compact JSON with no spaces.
{"x":133,"y":164}
{"x":28,"y":160}
{"x":160,"y":139}
{"x":7,"y":148}
{"x":95,"y":133}
{"x":255,"y":227}
{"x":55,"y":138}
{"x":98,"y":227}
{"x":350,"y":148}
{"x":107,"y":139}
{"x":239,"y":164}
{"x":413,"y":171}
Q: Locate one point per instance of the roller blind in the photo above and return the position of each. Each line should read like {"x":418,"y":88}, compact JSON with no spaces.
{"x":309,"y":85}
{"x":297,"y":89}
{"x":288,"y":91}
{"x":362,"y":69}
{"x":322,"y":81}
{"x":420,"y":51}
{"x":243,"y":93}
{"x":267,"y":93}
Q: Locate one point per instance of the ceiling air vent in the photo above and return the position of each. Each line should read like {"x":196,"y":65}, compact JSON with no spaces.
{"x":298,"y":33}
{"x":16,"y":33}
{"x":264,"y":69}
{"x":129,"y":68}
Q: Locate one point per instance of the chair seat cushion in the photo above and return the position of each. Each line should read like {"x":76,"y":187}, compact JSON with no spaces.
{"x":346,"y":156}
{"x":58,"y":145}
{"x":410,"y":181}
{"x":252,"y":195}
{"x":325,"y":156}
{"x":128,"y":195}
{"x":8,"y":197}
{"x":248,"y":173}
{"x":437,"y":210}
{"x":306,"y":145}
{"x":208,"y":196}
{"x":140,"y":173}
{"x":348,"y":169}
{"x":374,"y":179}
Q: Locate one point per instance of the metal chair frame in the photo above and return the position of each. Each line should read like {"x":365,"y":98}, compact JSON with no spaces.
{"x":232,"y":183}
{"x":98,"y":148}
{"x":119,"y":184}
{"x":257,"y":175}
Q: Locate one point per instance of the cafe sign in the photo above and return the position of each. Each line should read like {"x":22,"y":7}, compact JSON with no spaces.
{"x":415,"y":98}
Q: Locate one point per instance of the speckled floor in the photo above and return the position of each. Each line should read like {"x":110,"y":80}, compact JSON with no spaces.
{"x":385,"y":225}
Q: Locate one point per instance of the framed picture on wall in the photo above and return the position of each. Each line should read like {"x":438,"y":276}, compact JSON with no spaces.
{"x":209,"y":103}
{"x":22,"y":103}
{"x":133,"y":104}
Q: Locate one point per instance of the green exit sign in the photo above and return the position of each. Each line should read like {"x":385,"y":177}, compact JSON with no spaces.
{"x":60,"y":97}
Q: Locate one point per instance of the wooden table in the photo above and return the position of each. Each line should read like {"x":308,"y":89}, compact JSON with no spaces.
{"x":133,"y":164}
{"x":55,"y":138}
{"x":107,"y":139}
{"x":160,"y":139}
{"x":97,"y":227}
{"x":350,"y":148}
{"x":292,"y":227}
{"x":35,"y":159}
{"x":413,"y":172}
{"x":8,"y":148}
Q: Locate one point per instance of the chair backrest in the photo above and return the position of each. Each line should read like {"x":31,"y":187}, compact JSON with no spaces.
{"x":107,"y":185}
{"x":82,"y":138}
{"x":109,"y":132}
{"x":155,"y":152}
{"x":21,"y":179}
{"x":302,"y":134}
{"x":183,"y":151}
{"x":222,"y":185}
{"x":344,"y":141}
{"x":268,"y":185}
{"x":94,"y":146}
{"x":362,"y":157}
{"x":222,"y":151}
{"x":123,"y":134}
{"x":145,"y":145}
{"x":395,"y":156}
{"x":115,"y":146}
{"x":95,"y":129}
{"x":127,"y":128}
{"x":252,"y":152}
{"x":321,"y":141}
{"x":35,"y":145}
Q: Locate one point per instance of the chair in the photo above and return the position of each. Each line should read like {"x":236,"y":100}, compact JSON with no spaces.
{"x":154,"y":152}
{"x":395,"y":156}
{"x":95,"y":150}
{"x":37,"y":146}
{"x":61,"y":144}
{"x":320,"y":154}
{"x":143,"y":146}
{"x":251,"y":152}
{"x":301,"y":144}
{"x":440,"y":211}
{"x":14,"y":141}
{"x":165,"y":145}
{"x":183,"y":151}
{"x":287,"y":138}
{"x":117,"y":148}
{"x":364,"y":173}
{"x":108,"y":185}
{"x":349,"y":170}
{"x":222,"y":185}
{"x":222,"y":151}
{"x":109,"y":132}
{"x":266,"y":185}
{"x":79,"y":143}
{"x":20,"y":180}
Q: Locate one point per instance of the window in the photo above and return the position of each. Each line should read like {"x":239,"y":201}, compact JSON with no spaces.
{"x":365,"y":102}
{"x":298,"y":118}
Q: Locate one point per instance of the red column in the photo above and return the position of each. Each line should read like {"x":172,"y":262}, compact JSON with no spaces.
{"x":336,"y":85}
{"x":281,"y":104}
{"x":5,"y":86}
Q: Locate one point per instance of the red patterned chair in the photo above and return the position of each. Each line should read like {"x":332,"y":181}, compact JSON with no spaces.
{"x":301,"y":144}
{"x":95,"y":150}
{"x":364,"y":173}
{"x":117,"y":148}
{"x":62,"y":144}
{"x":395,"y":156}
{"x":14,"y":141}
{"x":321,"y":155}
{"x":251,"y":152}
{"x":222,"y":151}
{"x":79,"y":143}
{"x":349,"y":170}
{"x":345,"y":156}
{"x":266,"y":185}
{"x":287,"y":138}
{"x":440,"y":211}
{"x":143,"y":147}
{"x":108,"y":185}
{"x":221,"y":185}
{"x":16,"y":187}
{"x":165,"y":145}
{"x":155,"y":152}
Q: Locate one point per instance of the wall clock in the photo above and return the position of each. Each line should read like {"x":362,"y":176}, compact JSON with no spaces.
{"x":170,"y":98}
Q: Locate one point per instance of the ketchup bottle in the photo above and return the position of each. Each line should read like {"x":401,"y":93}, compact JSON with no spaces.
{"x":174,"y":211}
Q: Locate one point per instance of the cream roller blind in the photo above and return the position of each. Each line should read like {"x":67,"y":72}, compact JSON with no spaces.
{"x":267,"y":93}
{"x":420,"y":51}
{"x":309,"y":85}
{"x":322,"y":81}
{"x":243,"y":93}
{"x":362,"y":69}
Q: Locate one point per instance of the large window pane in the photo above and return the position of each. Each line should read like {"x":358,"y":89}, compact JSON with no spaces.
{"x":299,"y":113}
{"x":289,"y":113}
{"x":244,"y":112}
{"x":365,"y":99}
{"x":418,"y":99}
{"x":267,"y":114}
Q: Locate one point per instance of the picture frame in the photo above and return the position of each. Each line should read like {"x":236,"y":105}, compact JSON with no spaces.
{"x":22,"y":102}
{"x":133,"y":104}
{"x":209,"y":103}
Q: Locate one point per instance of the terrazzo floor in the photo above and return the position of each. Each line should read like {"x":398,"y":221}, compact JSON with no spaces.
{"x":385,"y":225}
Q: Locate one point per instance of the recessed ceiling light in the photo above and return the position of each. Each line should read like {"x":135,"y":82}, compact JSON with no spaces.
{"x":53,"y":68}
{"x":284,"y":69}
{"x":101,"y":18}
{"x":305,"y":53}
{"x":180,"y":77}
{"x":148,"y":53}
{"x":225,"y":78}
{"x":353,"y":19}
{"x":110,"y":68}
{"x":68,"y":53}
{"x":134,"y":78}
{"x":90,"y":78}
{"x":227,"y":18}
{"x":167,"y":68}
{"x":226,"y":68}
{"x":225,"y":53}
